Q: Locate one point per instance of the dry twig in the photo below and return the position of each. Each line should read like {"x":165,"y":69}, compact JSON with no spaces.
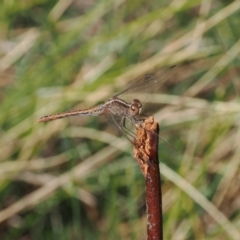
{"x":146,"y":153}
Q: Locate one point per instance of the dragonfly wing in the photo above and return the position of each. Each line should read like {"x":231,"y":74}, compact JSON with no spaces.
{"x":147,"y":84}
{"x":165,"y":150}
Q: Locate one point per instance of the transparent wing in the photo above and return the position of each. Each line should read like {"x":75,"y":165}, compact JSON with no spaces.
{"x":126,"y":126}
{"x":147,"y":84}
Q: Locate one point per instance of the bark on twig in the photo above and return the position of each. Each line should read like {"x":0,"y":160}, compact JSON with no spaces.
{"x":146,"y":153}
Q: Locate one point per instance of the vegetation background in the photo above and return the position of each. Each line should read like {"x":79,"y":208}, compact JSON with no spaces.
{"x":76,"y":178}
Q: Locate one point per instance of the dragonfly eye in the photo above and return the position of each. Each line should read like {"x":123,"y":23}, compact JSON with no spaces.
{"x":135,"y":109}
{"x":138,"y":105}
{"x":137,"y":102}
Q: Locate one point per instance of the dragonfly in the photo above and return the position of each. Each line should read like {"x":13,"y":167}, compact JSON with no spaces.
{"x":124,"y":106}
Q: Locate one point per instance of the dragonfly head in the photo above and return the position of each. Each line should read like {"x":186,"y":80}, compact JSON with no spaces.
{"x":135,"y":107}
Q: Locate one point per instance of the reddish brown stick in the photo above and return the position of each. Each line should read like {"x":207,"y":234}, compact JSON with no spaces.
{"x":146,"y":153}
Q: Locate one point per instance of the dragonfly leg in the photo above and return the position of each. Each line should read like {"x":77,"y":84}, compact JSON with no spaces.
{"x":121,"y":128}
{"x":126,"y":131}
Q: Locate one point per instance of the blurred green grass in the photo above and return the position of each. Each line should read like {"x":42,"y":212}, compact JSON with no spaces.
{"x":75,"y":178}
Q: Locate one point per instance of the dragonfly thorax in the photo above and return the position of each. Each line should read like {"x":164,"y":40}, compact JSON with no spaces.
{"x":135,"y":107}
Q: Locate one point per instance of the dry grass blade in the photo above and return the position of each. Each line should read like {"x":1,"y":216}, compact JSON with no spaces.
{"x":222,"y":220}
{"x":79,"y":172}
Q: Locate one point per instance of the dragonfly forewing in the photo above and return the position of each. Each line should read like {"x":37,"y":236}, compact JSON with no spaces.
{"x":144,"y":86}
